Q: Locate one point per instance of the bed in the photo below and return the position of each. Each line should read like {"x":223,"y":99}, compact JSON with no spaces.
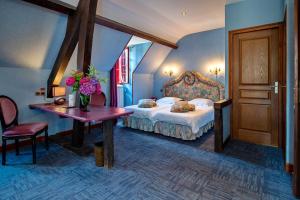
{"x":185,"y":126}
{"x":142,"y":117}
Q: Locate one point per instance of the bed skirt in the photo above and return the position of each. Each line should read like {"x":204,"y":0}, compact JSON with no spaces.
{"x":165,"y":128}
{"x":180,"y":131}
{"x":138,"y":123}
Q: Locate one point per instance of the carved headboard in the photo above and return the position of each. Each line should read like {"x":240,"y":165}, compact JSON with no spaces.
{"x":191,"y":85}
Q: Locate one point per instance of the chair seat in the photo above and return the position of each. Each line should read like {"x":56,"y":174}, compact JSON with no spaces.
{"x":28,"y":129}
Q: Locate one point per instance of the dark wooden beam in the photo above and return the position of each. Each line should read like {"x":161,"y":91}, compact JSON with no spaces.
{"x":55,"y":5}
{"x":69,"y":9}
{"x":296,"y":174}
{"x":86,"y":32}
{"x":67,"y":48}
{"x":127,"y":29}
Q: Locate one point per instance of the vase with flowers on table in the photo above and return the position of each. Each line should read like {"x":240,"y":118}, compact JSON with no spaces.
{"x":85,"y":85}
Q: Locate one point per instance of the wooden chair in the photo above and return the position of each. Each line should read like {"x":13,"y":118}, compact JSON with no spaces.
{"x":12,"y":130}
{"x":97,"y":100}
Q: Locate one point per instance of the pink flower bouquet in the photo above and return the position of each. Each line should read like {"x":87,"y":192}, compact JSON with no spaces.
{"x":86,"y":84}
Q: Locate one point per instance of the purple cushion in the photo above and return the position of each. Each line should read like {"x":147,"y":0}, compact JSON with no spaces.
{"x":28,"y":129}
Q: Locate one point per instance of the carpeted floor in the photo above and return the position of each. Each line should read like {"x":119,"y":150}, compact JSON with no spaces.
{"x":149,"y":166}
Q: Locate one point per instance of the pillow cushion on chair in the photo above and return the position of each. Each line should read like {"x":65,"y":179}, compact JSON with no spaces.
{"x":146,"y":103}
{"x":182,"y":107}
{"x":25,"y":129}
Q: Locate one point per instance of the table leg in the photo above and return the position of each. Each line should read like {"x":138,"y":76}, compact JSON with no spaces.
{"x":78,"y":134}
{"x":108,"y":143}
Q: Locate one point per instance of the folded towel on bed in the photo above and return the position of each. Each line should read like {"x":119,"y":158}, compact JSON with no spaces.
{"x":182,"y":107}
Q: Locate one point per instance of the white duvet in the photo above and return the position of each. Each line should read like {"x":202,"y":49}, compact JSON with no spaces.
{"x":147,"y":112}
{"x":195,"y":119}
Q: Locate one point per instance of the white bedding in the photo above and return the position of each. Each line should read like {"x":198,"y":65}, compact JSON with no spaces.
{"x":195,"y":119}
{"x":146,"y":112}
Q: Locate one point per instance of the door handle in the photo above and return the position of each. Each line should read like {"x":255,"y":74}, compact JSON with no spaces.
{"x":275,"y":86}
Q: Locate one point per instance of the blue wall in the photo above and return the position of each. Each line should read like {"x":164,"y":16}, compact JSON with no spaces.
{"x":153,"y":59}
{"x":198,"y":52}
{"x":108,"y":45}
{"x":290,"y":81}
{"x":250,"y":13}
{"x":30,"y":38}
{"x":142,"y":86}
{"x":136,"y":53}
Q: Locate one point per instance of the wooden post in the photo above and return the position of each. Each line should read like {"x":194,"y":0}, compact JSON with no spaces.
{"x":86,"y":32}
{"x":67,"y":48}
{"x":108,"y":144}
{"x":218,"y":129}
{"x":296,"y":175}
{"x":78,"y":134}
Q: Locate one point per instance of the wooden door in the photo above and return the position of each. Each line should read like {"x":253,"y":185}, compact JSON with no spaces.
{"x":255,"y":64}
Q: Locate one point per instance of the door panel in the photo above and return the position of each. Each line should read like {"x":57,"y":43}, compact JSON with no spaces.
{"x":251,"y":121}
{"x":255,"y":69}
{"x":252,"y":94}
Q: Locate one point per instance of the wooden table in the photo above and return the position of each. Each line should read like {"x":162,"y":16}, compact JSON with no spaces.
{"x":96,"y":113}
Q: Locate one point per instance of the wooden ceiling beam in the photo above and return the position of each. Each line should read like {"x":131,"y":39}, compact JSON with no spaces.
{"x":86,"y":33}
{"x":67,"y":48}
{"x":132,"y":31}
{"x":54,"y":5}
{"x":65,"y":8}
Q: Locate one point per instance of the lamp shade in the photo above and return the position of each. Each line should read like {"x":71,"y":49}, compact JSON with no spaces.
{"x":58,"y":91}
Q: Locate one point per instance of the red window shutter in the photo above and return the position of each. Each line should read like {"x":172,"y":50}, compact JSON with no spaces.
{"x":122,"y":67}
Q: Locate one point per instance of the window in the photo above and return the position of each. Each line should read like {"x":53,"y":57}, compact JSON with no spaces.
{"x":122,"y":68}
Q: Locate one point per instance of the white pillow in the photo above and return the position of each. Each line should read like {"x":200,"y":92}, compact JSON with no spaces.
{"x":168,"y":100}
{"x":200,"y":102}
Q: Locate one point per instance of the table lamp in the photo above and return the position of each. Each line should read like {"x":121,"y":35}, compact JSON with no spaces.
{"x":59,"y":94}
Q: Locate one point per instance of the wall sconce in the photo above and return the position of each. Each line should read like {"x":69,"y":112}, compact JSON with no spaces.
{"x":59,"y":94}
{"x":216,"y":71}
{"x":169,"y":72}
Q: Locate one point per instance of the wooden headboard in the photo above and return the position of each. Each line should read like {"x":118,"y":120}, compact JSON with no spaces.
{"x":191,"y":85}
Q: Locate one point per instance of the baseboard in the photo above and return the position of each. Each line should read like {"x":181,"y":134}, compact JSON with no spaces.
{"x":226,"y":141}
{"x":23,"y":143}
{"x":289,"y":168}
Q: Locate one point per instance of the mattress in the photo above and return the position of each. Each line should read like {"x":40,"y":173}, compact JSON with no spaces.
{"x":147,"y":113}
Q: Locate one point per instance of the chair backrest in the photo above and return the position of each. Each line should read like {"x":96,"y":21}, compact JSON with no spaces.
{"x":98,"y":99}
{"x":8,"y":112}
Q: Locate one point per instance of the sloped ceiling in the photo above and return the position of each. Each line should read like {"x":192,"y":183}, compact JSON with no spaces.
{"x":232,"y":1}
{"x":164,"y":18}
{"x":108,"y":45}
{"x":153,"y":59}
{"x":31,"y":37}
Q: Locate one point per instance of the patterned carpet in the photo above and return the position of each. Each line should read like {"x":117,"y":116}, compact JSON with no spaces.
{"x":149,"y":167}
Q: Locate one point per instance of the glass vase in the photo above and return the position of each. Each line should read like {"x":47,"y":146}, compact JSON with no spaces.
{"x":84,"y":102}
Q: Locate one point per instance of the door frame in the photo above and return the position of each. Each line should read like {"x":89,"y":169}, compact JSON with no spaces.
{"x":296,"y":174}
{"x":278,"y":26}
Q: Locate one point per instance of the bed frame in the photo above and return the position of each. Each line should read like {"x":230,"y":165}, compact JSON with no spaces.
{"x":189,"y":85}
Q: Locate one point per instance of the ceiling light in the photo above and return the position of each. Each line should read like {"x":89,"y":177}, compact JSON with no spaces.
{"x":184,"y":13}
